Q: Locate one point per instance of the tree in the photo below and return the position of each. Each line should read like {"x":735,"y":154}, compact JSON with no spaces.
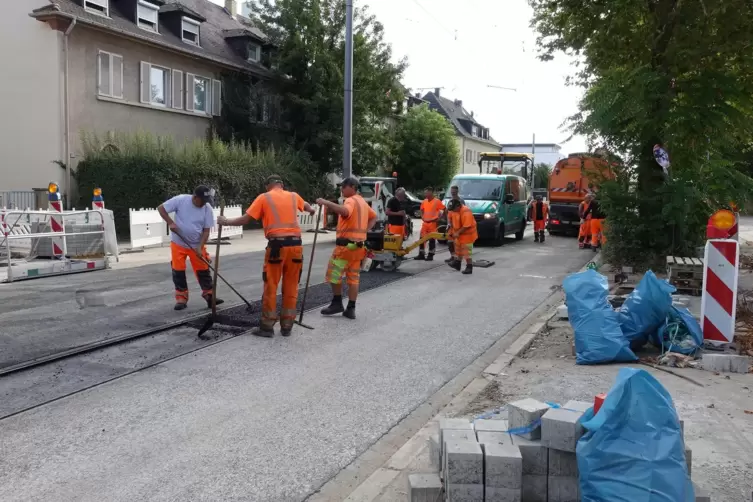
{"x":541,"y":172}
{"x":667,"y":72}
{"x":310,"y":36}
{"x":426,"y":153}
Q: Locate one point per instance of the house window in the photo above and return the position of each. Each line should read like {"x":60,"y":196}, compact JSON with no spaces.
{"x":190,"y":31}
{"x":155,"y":85}
{"x":201,"y":94}
{"x":98,"y":6}
{"x":159,"y":86}
{"x":475,"y":131}
{"x":254,"y":52}
{"x":468,"y":156}
{"x":109,"y":75}
{"x":147,"y":16}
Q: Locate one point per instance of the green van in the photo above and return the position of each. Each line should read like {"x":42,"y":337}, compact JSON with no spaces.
{"x":499,"y":203}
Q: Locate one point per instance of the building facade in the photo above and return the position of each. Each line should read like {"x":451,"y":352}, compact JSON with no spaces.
{"x":105,"y":66}
{"x":472,"y":137}
{"x":544,"y":153}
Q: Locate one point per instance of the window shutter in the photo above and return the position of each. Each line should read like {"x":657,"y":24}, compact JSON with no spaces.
{"x":146,"y":88}
{"x":216,"y":97}
{"x":116,"y":62}
{"x":168,"y":83}
{"x":99,"y":72}
{"x":189,"y":91}
{"x":178,"y":89}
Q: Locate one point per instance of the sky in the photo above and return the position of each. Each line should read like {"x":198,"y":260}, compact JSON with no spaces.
{"x":465,"y":46}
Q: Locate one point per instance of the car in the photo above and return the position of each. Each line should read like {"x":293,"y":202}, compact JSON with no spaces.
{"x":412,"y":205}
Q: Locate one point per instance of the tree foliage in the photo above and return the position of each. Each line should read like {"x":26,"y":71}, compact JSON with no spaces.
{"x":541,"y":172}
{"x":310,"y":36}
{"x":671,"y":72}
{"x":426,"y":153}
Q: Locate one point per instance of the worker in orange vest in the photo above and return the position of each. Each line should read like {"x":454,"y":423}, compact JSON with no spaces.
{"x":454,"y":195}
{"x":431,"y":210}
{"x":597,"y":216}
{"x":538,"y":212}
{"x":356,"y":219}
{"x":584,"y":232}
{"x":464,"y":234}
{"x":277,"y":209}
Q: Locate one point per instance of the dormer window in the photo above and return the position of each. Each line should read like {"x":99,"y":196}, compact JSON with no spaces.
{"x":190,"y":31}
{"x":101,"y":7}
{"x":147,"y":16}
{"x":254,"y":52}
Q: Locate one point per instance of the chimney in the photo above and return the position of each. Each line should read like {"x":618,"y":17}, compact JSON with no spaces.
{"x":458,"y":103}
{"x":230,"y":7}
{"x":471,"y":113}
{"x":436,"y":91}
{"x":418,"y":95}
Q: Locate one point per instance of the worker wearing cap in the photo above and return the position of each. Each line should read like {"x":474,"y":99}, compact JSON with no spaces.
{"x":396,"y":213}
{"x":538,"y":212}
{"x":584,"y":232}
{"x":431,"y":210}
{"x":464,"y":234}
{"x":454,"y":195}
{"x":193,"y":221}
{"x":277,"y":209}
{"x":356,"y":219}
{"x":596,"y":216}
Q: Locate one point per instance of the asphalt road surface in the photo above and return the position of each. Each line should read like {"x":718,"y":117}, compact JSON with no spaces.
{"x":271,"y":420}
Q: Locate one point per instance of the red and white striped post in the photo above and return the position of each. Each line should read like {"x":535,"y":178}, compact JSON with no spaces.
{"x":719,"y":299}
{"x":55,"y":206}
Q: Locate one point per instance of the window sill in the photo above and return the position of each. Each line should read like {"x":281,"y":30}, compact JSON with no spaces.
{"x":152,"y":107}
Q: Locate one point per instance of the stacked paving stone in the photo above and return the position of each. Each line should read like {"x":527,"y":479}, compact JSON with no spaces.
{"x":530,"y":457}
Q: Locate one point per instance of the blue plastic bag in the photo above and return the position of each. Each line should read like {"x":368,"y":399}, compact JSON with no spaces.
{"x":598,"y":338}
{"x":645,"y":309}
{"x":633,"y":449}
{"x":680,"y":332}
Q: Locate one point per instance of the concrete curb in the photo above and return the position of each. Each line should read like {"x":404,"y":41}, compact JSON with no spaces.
{"x":380,"y":479}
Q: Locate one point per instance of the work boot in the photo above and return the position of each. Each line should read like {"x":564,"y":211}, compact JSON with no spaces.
{"x":430,"y":257}
{"x":336,"y":307}
{"x":421,"y":256}
{"x":350,"y":311}
{"x":449,"y":260}
{"x":455,"y":264}
{"x":468,"y":269}
{"x":286,"y":330}
{"x":263,"y":332}
{"x":535,"y":237}
{"x":208,"y":298}
{"x":180,"y":306}
{"x":543,"y":236}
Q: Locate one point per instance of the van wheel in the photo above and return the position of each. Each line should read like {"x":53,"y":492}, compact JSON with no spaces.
{"x":519,"y":235}
{"x":499,"y":238}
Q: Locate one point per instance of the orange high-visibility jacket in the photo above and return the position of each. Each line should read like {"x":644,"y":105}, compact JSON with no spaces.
{"x":464,"y":218}
{"x":278,"y":212}
{"x":354,"y":226}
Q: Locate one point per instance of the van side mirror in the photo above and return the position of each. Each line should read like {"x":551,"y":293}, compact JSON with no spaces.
{"x":509,"y":198}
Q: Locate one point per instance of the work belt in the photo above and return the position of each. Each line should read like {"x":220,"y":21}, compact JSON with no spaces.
{"x":274,"y":245}
{"x":345,"y":242}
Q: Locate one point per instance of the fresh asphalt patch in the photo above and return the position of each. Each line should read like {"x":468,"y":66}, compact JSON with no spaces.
{"x":244,"y":317}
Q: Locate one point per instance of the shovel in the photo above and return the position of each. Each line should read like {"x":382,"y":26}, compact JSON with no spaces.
{"x":299,"y":322}
{"x":210,"y":320}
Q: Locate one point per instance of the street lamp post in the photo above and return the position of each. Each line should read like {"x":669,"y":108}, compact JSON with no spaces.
{"x":348,"y":112}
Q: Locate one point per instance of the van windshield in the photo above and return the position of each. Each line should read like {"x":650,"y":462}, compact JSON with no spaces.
{"x":470,"y":189}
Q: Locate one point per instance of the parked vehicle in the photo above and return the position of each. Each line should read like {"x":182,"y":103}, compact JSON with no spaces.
{"x":413,"y":205}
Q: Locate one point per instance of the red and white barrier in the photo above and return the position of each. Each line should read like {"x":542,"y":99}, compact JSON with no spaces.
{"x":57,"y":225}
{"x":719,"y":300}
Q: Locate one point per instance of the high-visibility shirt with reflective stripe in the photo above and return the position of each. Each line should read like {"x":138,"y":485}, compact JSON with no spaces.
{"x":354,"y":226}
{"x":461,"y":219}
{"x":278,"y":212}
{"x":430,"y":209}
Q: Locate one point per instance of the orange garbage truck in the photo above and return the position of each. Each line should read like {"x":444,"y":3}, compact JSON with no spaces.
{"x":569,"y":182}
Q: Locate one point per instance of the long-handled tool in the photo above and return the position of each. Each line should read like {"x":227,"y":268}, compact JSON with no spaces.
{"x":299,"y":322}
{"x":177,"y":232}
{"x":210,"y":321}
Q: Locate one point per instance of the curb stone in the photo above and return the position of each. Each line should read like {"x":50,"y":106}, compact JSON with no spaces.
{"x":380,"y":479}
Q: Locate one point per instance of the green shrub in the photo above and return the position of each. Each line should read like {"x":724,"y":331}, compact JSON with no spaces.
{"x":142,"y":171}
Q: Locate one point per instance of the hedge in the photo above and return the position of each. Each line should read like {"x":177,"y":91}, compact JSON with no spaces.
{"x":143,"y":170}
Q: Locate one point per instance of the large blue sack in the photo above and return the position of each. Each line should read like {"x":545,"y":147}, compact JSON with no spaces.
{"x":645,"y":309}
{"x":633,"y":449}
{"x":598,"y":338}
{"x":680,"y":332}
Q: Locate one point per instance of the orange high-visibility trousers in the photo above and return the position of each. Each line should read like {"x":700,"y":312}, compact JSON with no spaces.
{"x":539,"y":225}
{"x":396,"y":229}
{"x":597,"y":237}
{"x":346,"y":263}
{"x":287,"y":267}
{"x":178,"y":257}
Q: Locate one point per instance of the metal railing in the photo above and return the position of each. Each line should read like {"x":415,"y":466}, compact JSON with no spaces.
{"x":18,"y":199}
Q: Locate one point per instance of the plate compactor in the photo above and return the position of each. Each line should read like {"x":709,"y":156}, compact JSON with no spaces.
{"x":388,"y":251}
